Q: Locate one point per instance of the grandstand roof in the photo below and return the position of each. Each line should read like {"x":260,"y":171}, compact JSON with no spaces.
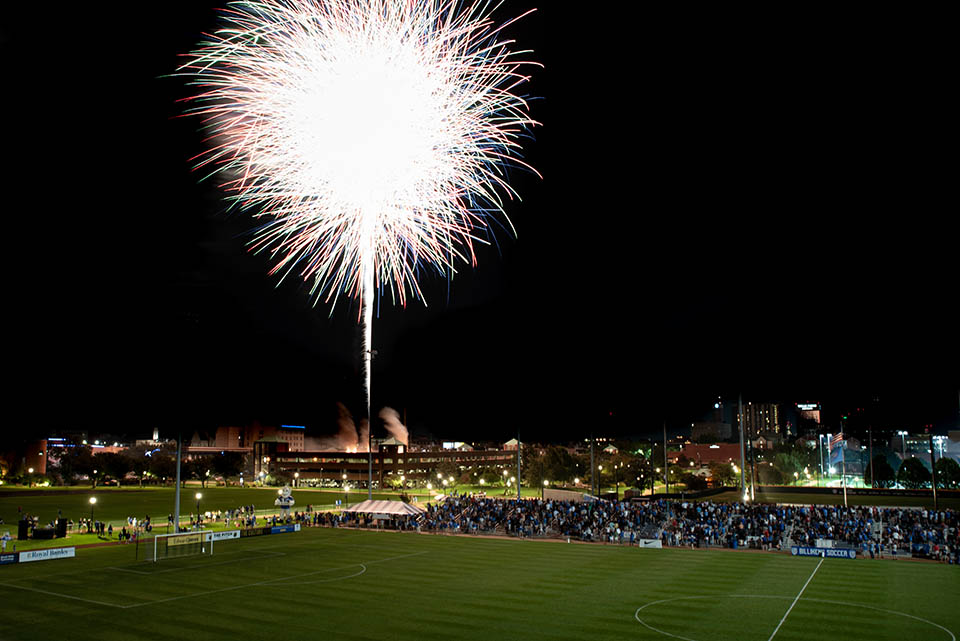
{"x":396,"y":508}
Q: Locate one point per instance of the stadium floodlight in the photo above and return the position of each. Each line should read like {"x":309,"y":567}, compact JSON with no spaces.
{"x":93,"y":501}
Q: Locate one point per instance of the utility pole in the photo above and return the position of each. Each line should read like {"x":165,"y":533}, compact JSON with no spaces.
{"x":933,"y":470}
{"x":871,"y":457}
{"x":666,"y":465}
{"x":593,"y":466}
{"x":176,"y":499}
{"x":743,"y":466}
{"x":518,"y":464}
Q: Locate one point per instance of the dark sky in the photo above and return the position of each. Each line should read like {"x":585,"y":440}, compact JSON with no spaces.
{"x":730,"y":202}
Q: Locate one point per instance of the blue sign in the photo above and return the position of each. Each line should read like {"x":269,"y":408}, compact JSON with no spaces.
{"x":8,"y":558}
{"x":280,"y":529}
{"x":830,"y":553}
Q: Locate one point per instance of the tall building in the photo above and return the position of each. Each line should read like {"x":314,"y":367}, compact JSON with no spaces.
{"x":763,"y":418}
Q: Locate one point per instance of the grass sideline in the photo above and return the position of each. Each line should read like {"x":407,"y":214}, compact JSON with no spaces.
{"x":349,"y":584}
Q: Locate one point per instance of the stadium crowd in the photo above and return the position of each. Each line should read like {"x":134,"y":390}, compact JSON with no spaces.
{"x":872,"y":531}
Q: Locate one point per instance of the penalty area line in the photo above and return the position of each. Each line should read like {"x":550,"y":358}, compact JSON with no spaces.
{"x":810,"y":578}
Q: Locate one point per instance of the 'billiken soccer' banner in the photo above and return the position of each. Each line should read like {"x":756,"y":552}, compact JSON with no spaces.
{"x":824,"y":552}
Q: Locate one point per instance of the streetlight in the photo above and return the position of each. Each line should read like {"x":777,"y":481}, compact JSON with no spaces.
{"x":296,"y":479}
{"x":545,"y":485}
{"x":903,"y":442}
{"x":93,"y":501}
{"x":199,"y":496}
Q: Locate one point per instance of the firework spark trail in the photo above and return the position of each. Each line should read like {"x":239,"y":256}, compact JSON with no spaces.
{"x":369,"y":136}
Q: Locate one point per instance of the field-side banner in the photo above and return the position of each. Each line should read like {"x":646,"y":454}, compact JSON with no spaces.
{"x":650,"y":543}
{"x":8,"y":557}
{"x":280,"y":529}
{"x":221,"y":536}
{"x":255,"y":531}
{"x":46,"y":555}
{"x":184,"y":539}
{"x":832,"y":553}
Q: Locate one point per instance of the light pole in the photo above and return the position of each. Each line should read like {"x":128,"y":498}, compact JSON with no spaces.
{"x":199,"y":496}
{"x":93,"y":501}
{"x":903,"y":442}
{"x":296,"y":479}
{"x":346,"y":491}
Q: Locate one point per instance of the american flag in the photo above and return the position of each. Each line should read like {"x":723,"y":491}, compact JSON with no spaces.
{"x":836,"y":440}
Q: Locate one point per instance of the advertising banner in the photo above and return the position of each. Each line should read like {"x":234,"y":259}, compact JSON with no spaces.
{"x":48,"y":554}
{"x":221,"y":536}
{"x":184,"y":539}
{"x":8,"y":557}
{"x":650,"y":543}
{"x":832,"y":553}
{"x":255,"y":531}
{"x":280,"y":529}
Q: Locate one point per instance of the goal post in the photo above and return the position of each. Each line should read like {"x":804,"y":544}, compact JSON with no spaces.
{"x":171,"y":546}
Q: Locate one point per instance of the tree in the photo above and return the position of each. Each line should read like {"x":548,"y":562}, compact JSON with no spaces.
{"x":722,"y":473}
{"x":913,"y":474}
{"x":771,"y":475}
{"x":228,"y":464}
{"x":693,"y":482}
{"x":163,"y":466}
{"x":113,"y":465}
{"x":197,"y":468}
{"x":885,"y":476}
{"x":948,"y":474}
{"x":75,"y":459}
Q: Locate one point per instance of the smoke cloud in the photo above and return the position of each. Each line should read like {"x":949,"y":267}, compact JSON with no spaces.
{"x":391,"y":421}
{"x":352,"y":437}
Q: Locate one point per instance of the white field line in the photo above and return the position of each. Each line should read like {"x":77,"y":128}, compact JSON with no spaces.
{"x":810,"y":578}
{"x":268,"y":581}
{"x":60,"y":594}
{"x":636,"y":615}
{"x":264,"y":555}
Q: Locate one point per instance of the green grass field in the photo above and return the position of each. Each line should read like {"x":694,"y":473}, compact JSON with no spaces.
{"x":348,"y":584}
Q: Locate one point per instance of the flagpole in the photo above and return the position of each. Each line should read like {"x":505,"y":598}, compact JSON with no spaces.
{"x":843,"y":471}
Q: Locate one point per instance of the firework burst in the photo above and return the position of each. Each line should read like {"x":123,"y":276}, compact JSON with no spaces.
{"x":369,"y":136}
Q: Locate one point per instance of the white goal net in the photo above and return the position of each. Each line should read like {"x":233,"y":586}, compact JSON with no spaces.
{"x":171,"y":546}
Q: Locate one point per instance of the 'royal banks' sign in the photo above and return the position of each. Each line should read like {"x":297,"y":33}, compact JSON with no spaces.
{"x":47,"y":555}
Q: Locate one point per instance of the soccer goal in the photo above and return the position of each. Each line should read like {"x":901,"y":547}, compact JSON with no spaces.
{"x":171,"y":546}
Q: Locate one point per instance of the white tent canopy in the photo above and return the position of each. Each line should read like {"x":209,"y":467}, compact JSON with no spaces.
{"x":392,"y":508}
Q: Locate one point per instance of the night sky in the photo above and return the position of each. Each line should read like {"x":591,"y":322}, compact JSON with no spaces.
{"x":729,"y":202}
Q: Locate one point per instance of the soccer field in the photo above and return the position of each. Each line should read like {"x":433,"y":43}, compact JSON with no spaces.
{"x":347,"y":584}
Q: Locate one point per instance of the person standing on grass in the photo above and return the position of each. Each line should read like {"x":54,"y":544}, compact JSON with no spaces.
{"x":110,"y":531}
